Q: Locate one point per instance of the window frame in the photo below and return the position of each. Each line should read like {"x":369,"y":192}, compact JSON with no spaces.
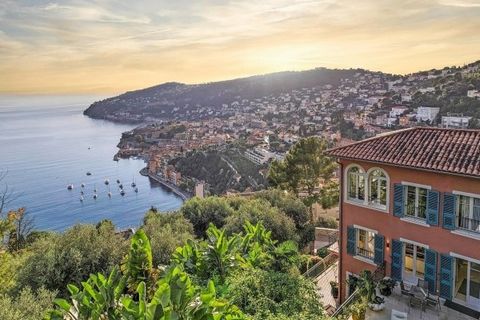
{"x":362,"y":174}
{"x":471,"y":205}
{"x":417,"y":187}
{"x":386,"y":178}
{"x":365,"y":202}
{"x":357,"y":242}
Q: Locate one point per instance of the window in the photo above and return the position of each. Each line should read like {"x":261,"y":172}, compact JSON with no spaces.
{"x":467,"y":213}
{"x":414,"y":262}
{"x":356,"y":184}
{"x":415,"y":202}
{"x":365,"y":244}
{"x":377,"y":182}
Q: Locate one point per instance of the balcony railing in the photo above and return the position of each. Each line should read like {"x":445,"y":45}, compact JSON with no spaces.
{"x":365,"y":253}
{"x":468,"y":224}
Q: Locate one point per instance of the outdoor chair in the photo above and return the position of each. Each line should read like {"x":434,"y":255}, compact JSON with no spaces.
{"x":423,"y":284}
{"x":403,"y":290}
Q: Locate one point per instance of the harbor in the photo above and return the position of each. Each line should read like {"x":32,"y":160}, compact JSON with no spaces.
{"x":176,"y":190}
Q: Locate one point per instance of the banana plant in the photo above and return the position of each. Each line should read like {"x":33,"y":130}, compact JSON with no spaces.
{"x":137,"y":265}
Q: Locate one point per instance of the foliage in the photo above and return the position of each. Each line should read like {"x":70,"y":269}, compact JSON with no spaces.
{"x":202,"y":212}
{"x":259,"y":210}
{"x":326,"y":222}
{"x":174,"y":297}
{"x":166,"y":232}
{"x":10,"y":263}
{"x":59,"y":259}
{"x":28,"y":305}
{"x":272,"y":295}
{"x":304,"y":168}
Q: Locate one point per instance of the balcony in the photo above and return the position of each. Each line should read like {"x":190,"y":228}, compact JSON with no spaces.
{"x":365,"y":253}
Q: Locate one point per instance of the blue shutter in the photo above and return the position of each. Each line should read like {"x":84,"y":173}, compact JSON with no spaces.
{"x":446,"y":276}
{"x":351,"y":239}
{"x":449,"y":211}
{"x":431,"y":269}
{"x":379,"y":246}
{"x":398,"y":200}
{"x":397,"y":259}
{"x":432,"y":207}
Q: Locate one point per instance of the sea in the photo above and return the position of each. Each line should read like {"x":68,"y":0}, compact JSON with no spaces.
{"x":46,"y":143}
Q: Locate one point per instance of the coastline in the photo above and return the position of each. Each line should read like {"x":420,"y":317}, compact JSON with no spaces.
{"x":182,"y":194}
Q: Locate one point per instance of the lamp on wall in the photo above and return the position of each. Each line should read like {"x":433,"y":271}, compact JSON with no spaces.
{"x":388,"y":244}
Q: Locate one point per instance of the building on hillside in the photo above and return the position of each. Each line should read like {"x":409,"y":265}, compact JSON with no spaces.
{"x":410,"y":208}
{"x":427,"y":113}
{"x":261,"y":156}
{"x":200,"y":190}
{"x":455,"y":121}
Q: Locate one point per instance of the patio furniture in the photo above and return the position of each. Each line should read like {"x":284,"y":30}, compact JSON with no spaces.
{"x":418,"y":297}
{"x":398,"y":315}
{"x":403,"y":290}
{"x":434,"y":301}
{"x":422,"y":284}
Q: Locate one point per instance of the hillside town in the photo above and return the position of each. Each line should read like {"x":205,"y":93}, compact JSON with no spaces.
{"x":360,"y":106}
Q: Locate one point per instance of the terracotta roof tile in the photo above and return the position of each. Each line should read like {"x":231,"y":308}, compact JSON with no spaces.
{"x":445,"y":150}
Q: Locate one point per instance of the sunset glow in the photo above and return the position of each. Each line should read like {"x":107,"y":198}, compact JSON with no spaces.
{"x":79,"y":46}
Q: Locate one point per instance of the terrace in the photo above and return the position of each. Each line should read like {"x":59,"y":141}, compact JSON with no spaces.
{"x":401,"y":303}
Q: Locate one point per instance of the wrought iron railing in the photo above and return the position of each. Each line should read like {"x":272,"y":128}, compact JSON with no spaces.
{"x":365,"y":253}
{"x":320,"y":267}
{"x":342,"y":310}
{"x":468,"y":224}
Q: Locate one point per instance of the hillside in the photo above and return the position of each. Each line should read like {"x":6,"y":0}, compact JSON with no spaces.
{"x":177,"y":100}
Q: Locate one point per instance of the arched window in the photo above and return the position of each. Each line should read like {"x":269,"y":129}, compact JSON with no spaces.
{"x":356,"y":184}
{"x":377,"y":193}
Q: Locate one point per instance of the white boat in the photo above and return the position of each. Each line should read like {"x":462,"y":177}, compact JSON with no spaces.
{"x":82,"y":185}
{"x":81,"y":198}
{"x":122,"y":193}
{"x":81,"y":192}
{"x":109,"y":194}
{"x":133,"y":183}
{"x":95,"y":196}
{"x":70,"y":187}
{"x":136,"y":190}
{"x":89,"y":173}
{"x":107,"y":182}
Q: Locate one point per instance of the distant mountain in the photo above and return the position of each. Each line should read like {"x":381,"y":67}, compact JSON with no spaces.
{"x":178,"y":101}
{"x":166,"y":100}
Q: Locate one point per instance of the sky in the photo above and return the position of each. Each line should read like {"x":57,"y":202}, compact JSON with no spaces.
{"x":105,"y":46}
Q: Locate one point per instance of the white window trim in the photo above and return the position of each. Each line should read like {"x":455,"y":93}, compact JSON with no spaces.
{"x":467,"y":194}
{"x":413,"y":184}
{"x":363,"y":259}
{"x":417,"y":221}
{"x":356,"y":226}
{"x":415,"y":243}
{"x":466,"y":233}
{"x":456,"y":255}
{"x":365,"y":203}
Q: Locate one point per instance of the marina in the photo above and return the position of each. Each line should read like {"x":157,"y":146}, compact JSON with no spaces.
{"x":48,"y":151}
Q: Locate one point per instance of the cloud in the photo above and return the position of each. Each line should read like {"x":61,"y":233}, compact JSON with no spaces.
{"x":89,"y":45}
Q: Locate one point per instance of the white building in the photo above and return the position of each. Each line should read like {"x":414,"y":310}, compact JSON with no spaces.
{"x":455,"y":122}
{"x":397,"y":111}
{"x":427,"y":113}
{"x":260,"y":155}
{"x":473,"y":94}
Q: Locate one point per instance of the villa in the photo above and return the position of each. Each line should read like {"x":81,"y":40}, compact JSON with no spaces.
{"x":410,"y":206}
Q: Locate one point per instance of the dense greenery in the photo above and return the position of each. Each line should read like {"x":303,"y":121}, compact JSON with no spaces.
{"x":198,"y":263}
{"x":284,"y":214}
{"x":306,"y":169}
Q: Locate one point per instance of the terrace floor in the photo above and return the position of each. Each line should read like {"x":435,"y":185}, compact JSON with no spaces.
{"x":401,"y":303}
{"x":323,"y":285}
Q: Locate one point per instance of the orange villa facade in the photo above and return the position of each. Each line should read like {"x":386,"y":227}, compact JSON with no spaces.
{"x":410,"y":203}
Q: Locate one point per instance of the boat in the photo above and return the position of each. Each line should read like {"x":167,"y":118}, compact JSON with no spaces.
{"x":122,"y":192}
{"x":95,"y":196}
{"x":133,"y":183}
{"x":120,"y":186}
{"x":81,"y":192}
{"x":70,"y":187}
{"x":95,"y":189}
{"x":118,"y":181}
{"x":136,"y":190}
{"x":82,"y":185}
{"x":89,"y":173}
{"x":107,"y":182}
{"x":109,"y":194}
{"x":81,"y":198}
